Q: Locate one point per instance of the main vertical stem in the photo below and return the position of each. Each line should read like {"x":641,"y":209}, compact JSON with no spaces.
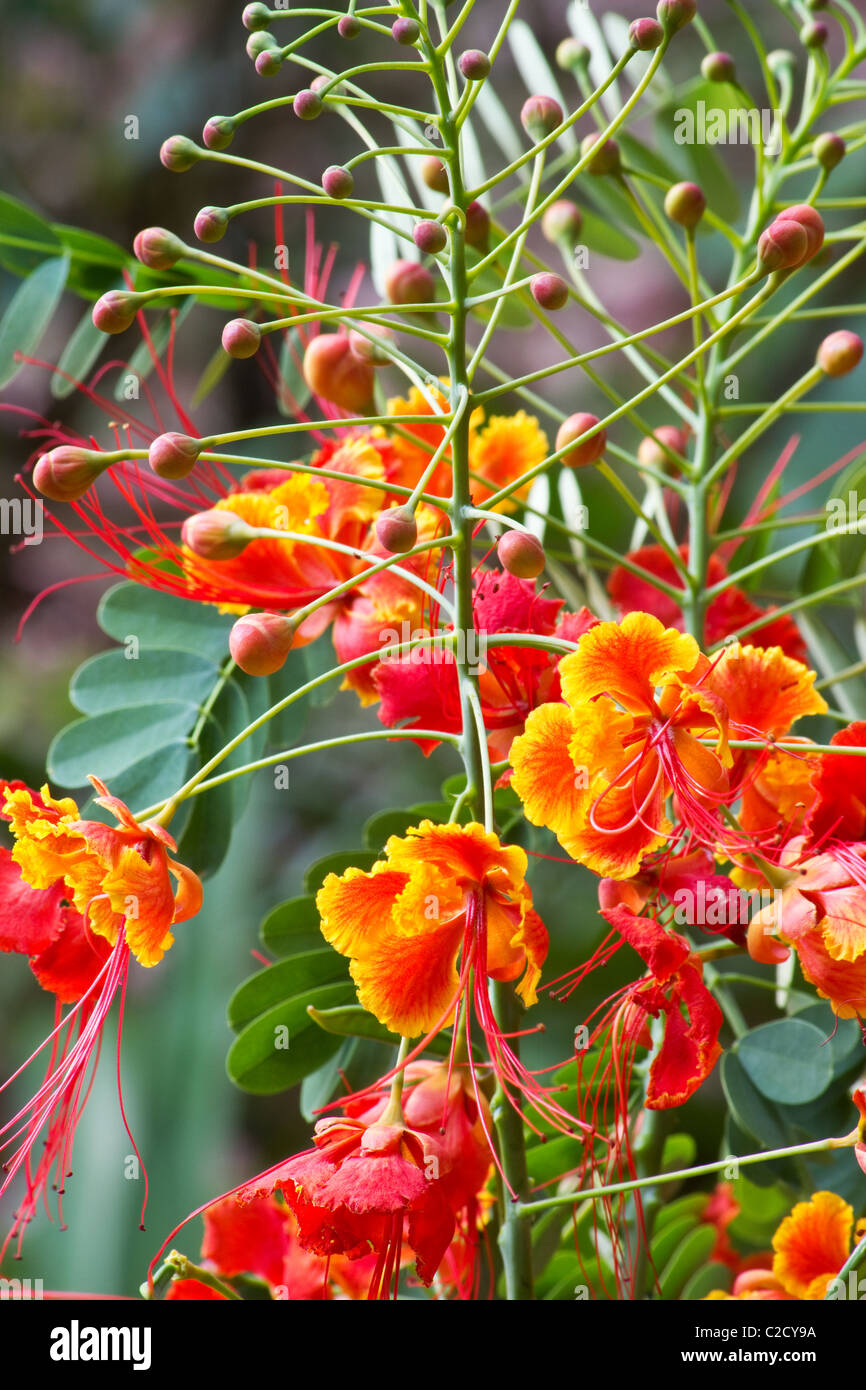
{"x":515,"y":1239}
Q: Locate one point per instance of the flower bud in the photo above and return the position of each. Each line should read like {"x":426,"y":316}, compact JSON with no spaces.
{"x":474,"y":65}
{"x":261,"y":642}
{"x":571,"y":431}
{"x":521,"y":554}
{"x":218,"y":133}
{"x":814,"y":34}
{"x":269,"y":62}
{"x":217,"y":534}
{"x":605,"y":158}
{"x":367,"y":349}
{"x":65,"y":474}
{"x":405,"y":31}
{"x":549,"y":291}
{"x":719,"y":67}
{"x":115,"y":311}
{"x":651,"y":452}
{"x":241,"y":338}
{"x":571,"y":54}
{"x":349,"y":27}
{"x":782,"y":246}
{"x":811,"y":222}
{"x":178,"y":154}
{"x":211,"y":223}
{"x":157,"y":249}
{"x":781,"y":62}
{"x":840,"y":353}
{"x":338,"y":182}
{"x":430,"y":237}
{"x":477,"y":229}
{"x":173,"y":455}
{"x":258,"y":43}
{"x":256,"y":17}
{"x":397,"y":530}
{"x":407,"y":282}
{"x":685,"y":203}
{"x":676,"y":14}
{"x":307,"y":105}
{"x":334,"y":372}
{"x":645,"y":34}
{"x":829,"y":150}
{"x":319,"y":83}
{"x":562,"y":222}
{"x":540,"y":116}
{"x":434,"y":173}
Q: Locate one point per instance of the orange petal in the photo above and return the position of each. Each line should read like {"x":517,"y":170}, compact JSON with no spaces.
{"x":812,"y":1244}
{"x":356,"y":906}
{"x":764,"y":690}
{"x":627,"y":660}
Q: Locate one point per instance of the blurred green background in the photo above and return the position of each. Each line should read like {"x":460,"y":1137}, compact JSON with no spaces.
{"x":70,"y":73}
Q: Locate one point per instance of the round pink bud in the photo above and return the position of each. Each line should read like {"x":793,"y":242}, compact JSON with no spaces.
{"x":217,"y":534}
{"x":652,"y":449}
{"x":571,"y":54}
{"x":571,"y":431}
{"x":258,"y":43}
{"x":173,"y":455}
{"x":115,"y":311}
{"x":814,"y":34}
{"x":605,"y":155}
{"x":261,"y":642}
{"x":256,"y":17}
{"x":334,"y":372}
{"x":157,"y":249}
{"x":405,"y":31}
{"x":474,"y":65}
{"x":562,"y":222}
{"x":307,"y":105}
{"x":540,"y":116}
{"x":840,"y":353}
{"x":338,"y":182}
{"x":66,"y":473}
{"x":434,"y":173}
{"x":829,"y":150}
{"x":407,"y":282}
{"x":719,"y":67}
{"x":178,"y":153}
{"x":430,"y":237}
{"x":211,"y":223}
{"x":685,"y":203}
{"x":549,"y":291}
{"x":241,"y":338}
{"x":782,"y":246}
{"x":645,"y":34}
{"x":477,"y":229}
{"x":521,"y":554}
{"x":370,"y":349}
{"x":676,"y":14}
{"x":397,"y":530}
{"x":319,"y":83}
{"x":218,"y":133}
{"x":349,"y":27}
{"x":812,"y":223}
{"x":269,"y":62}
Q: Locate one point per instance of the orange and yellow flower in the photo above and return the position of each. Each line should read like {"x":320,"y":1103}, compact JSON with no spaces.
{"x":809,"y":1248}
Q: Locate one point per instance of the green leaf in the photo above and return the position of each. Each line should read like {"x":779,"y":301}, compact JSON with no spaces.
{"x":713,"y":1276}
{"x":283,"y":981}
{"x":786,"y":1060}
{"x":597,"y":234}
{"x":752,"y":1112}
{"x":29,"y":313}
{"x":336,"y":863}
{"x":292,"y":389}
{"x":551,"y":1160}
{"x":285,"y":728}
{"x":320,"y":1085}
{"x":153,"y":779}
{"x":141,"y":363}
{"x":692,"y":1204}
{"x":163,"y":620}
{"x":79,"y":355}
{"x":258,"y":1064}
{"x":292,"y":927}
{"x":692,"y":1252}
{"x":666,"y":1241}
{"x":26,"y":239}
{"x":680,"y":1151}
{"x":700,"y":161}
{"x":96,"y":261}
{"x":318,"y":657}
{"x":385,"y":823}
{"x":211,"y":376}
{"x":111,"y":680}
{"x":108,"y":743}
